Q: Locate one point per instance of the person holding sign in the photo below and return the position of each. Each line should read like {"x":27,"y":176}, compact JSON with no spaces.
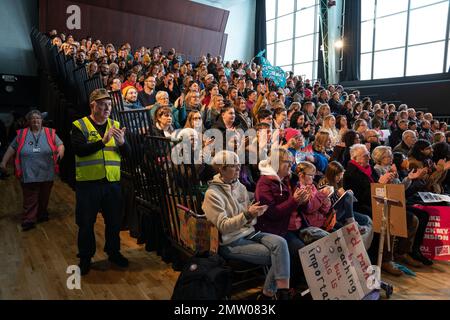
{"x":227,"y":206}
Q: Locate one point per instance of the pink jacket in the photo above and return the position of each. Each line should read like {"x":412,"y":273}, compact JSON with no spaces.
{"x":317,"y":208}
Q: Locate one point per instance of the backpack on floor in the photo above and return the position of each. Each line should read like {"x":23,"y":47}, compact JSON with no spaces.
{"x":203,"y":278}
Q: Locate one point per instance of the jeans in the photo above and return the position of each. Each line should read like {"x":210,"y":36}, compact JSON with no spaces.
{"x":263,"y":249}
{"x":344,"y":209}
{"x":364,"y":221}
{"x":295,"y":244}
{"x":91,"y":198}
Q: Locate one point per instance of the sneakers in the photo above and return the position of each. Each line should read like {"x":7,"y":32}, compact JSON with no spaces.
{"x":119,"y":260}
{"x":418,"y":256}
{"x":28,"y":226}
{"x":407,"y":259}
{"x":85,"y":266}
{"x":390,"y":268}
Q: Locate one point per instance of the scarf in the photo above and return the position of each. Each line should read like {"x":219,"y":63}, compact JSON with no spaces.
{"x":366,"y":170}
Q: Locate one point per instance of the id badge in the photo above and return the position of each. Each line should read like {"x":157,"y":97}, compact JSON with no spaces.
{"x":36,"y":150}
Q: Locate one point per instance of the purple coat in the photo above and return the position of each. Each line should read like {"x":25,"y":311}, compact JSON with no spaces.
{"x":277,"y":195}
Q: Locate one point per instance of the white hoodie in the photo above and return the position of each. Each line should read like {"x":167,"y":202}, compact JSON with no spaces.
{"x":266,"y":170}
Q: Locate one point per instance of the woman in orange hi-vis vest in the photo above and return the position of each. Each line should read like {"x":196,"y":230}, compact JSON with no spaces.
{"x":37,"y":151}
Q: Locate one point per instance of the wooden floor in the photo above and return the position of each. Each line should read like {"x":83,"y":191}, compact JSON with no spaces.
{"x":33,"y":264}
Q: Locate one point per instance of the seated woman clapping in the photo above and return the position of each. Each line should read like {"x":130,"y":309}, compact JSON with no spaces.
{"x":227,"y":206}
{"x":358,"y":177}
{"x":281,"y":217}
{"x":403,"y":252}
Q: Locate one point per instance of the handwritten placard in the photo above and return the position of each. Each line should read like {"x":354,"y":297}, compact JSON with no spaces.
{"x":337,"y":266}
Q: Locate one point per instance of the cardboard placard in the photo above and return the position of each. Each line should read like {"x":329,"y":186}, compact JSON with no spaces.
{"x":336,"y":267}
{"x":198,"y":234}
{"x":397,"y":213}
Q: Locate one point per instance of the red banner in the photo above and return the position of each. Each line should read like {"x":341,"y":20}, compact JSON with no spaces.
{"x":436,"y":242}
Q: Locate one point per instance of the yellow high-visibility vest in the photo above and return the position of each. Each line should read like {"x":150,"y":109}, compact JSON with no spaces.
{"x":103,"y":163}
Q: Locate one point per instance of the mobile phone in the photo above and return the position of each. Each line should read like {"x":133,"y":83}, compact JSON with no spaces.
{"x":253,"y":235}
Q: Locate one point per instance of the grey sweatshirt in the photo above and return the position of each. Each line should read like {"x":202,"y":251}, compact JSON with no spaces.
{"x":224,"y":206}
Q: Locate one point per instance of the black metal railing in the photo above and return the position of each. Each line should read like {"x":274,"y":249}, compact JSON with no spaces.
{"x":155,"y":183}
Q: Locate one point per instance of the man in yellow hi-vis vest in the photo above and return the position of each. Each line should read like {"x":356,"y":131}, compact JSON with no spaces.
{"x":98,"y":143}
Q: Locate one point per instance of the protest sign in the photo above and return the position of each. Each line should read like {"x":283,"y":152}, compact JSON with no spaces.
{"x":397,"y":213}
{"x":337,"y":266}
{"x":436,"y":241}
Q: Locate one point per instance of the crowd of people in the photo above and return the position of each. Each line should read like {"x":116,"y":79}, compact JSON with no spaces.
{"x":321,"y":143}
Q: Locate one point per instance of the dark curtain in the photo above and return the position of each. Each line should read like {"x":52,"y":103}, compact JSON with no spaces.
{"x":260,"y":27}
{"x":352,"y":41}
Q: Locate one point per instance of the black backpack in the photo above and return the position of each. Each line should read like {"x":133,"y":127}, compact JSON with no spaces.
{"x":203,"y":278}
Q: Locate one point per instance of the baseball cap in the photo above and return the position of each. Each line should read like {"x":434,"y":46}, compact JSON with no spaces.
{"x":99,"y":94}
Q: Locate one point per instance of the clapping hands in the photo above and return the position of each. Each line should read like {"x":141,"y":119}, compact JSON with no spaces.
{"x":255,"y":210}
{"x":118,"y":134}
{"x":302,"y":195}
{"x":417,"y":173}
{"x":387,"y":177}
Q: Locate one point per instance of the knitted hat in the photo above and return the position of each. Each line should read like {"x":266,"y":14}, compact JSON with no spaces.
{"x":308,"y":93}
{"x":290,"y":133}
{"x":125,"y":90}
{"x":146,"y":58}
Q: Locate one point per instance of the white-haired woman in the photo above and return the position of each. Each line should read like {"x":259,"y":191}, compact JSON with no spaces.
{"x":403,"y":252}
{"x":358,"y":176}
{"x":179,"y":115}
{"x":227,"y":205}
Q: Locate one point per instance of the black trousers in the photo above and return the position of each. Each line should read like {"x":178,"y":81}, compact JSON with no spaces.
{"x":423,"y":221}
{"x":92,"y":197}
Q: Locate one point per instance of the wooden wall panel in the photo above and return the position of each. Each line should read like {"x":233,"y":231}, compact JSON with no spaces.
{"x":179,"y":11}
{"x":118,"y":27}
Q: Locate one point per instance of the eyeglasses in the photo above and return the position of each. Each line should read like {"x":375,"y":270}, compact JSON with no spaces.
{"x":197,"y":118}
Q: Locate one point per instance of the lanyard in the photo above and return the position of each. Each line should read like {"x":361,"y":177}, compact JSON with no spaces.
{"x":36,"y":140}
